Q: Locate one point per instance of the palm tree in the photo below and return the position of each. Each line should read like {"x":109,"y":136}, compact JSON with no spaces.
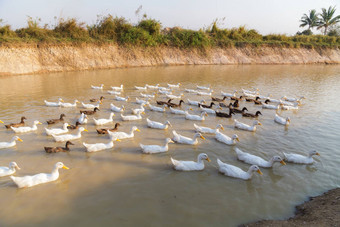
{"x":312,"y":20}
{"x":326,"y":19}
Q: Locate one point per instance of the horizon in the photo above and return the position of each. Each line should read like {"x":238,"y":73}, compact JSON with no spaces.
{"x":264,"y":19}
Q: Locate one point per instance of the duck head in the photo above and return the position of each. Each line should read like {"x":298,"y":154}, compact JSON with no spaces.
{"x":13,"y":165}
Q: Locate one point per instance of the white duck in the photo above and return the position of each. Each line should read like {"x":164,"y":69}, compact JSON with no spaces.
{"x":181,"y":112}
{"x":256,"y":160}
{"x":195,"y":117}
{"x":282,"y":120}
{"x":26,"y":129}
{"x":286,"y":103}
{"x":204,"y":93}
{"x":61,"y":138}
{"x":300,"y":159}
{"x":99,"y":146}
{"x":70,"y":104}
{"x":6,"y":171}
{"x":283,"y":107}
{"x":207,"y":110}
{"x":82,"y":119}
{"x":158,"y":125}
{"x":118,"y":98}
{"x":203,"y":88}
{"x":229,"y":94}
{"x":174,"y":85}
{"x":153,"y":149}
{"x":275,"y":100}
{"x":132,"y":117}
{"x":195,"y":103}
{"x":91,"y":106}
{"x":233,"y":171}
{"x":246,"y":127}
{"x":104,"y":121}
{"x":29,"y":181}
{"x":124,"y":135}
{"x":141,"y":101}
{"x":11,"y":143}
{"x":190,"y":165}
{"x":118,"y":88}
{"x":180,"y":96}
{"x":116,"y":108}
{"x":254,"y":91}
{"x":141,"y":88}
{"x":191,"y":90}
{"x":186,"y":140}
{"x":164,"y":92}
{"x":97,"y":87}
{"x":202,"y":129}
{"x":57,"y":131}
{"x":148,"y":96}
{"x":114,"y":92}
{"x":269,"y":106}
{"x":152,"y":87}
{"x":293,"y":99}
{"x":140,"y":109}
{"x":54,"y":104}
{"x":226,"y":139}
{"x":158,"y":109}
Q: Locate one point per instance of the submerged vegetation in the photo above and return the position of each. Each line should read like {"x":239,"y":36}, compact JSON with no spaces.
{"x":149,"y":33}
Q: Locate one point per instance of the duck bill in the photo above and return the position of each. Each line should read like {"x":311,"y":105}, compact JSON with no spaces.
{"x":39,"y":123}
{"x":283,"y":163}
{"x":238,"y":139}
{"x":260,"y":123}
{"x":85,"y":130}
{"x":202,"y":138}
{"x":20,"y":140}
{"x":1,"y":121}
{"x":259,"y":171}
{"x":65,"y":167}
{"x":137,"y":130}
{"x":222,"y":128}
{"x":208,"y":159}
{"x":118,"y":140}
{"x":317,"y":153}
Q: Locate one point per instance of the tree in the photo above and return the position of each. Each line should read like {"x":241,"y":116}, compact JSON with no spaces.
{"x":327,"y":19}
{"x":312,"y":20}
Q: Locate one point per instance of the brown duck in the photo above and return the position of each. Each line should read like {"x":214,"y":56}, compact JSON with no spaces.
{"x":218,"y":99}
{"x":206,"y":106}
{"x":53,"y":121}
{"x":21,"y":123}
{"x":250,"y":100}
{"x":58,"y":149}
{"x":257,"y":102}
{"x":222,"y":114}
{"x":236,"y":104}
{"x":162,"y":102}
{"x":74,"y":126}
{"x":97,"y":100}
{"x":235,"y":98}
{"x":89,"y":112}
{"x":105,"y":130}
{"x":170,"y":104}
{"x":240,"y":111}
{"x":251,"y":115}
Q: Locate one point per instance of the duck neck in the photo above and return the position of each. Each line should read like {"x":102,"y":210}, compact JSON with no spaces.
{"x":250,"y":172}
{"x":199,"y":159}
{"x":55,"y":171}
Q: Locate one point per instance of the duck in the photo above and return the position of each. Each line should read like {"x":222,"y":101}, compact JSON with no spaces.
{"x":181,"y":112}
{"x":190,"y":165}
{"x":99,"y":146}
{"x":141,"y":101}
{"x":190,"y":90}
{"x":206,"y":106}
{"x":236,"y":172}
{"x":186,"y":140}
{"x":59,"y":149}
{"x":226,"y":139}
{"x":65,"y":137}
{"x":236,"y":104}
{"x":104,"y":121}
{"x":281,"y":120}
{"x":141,"y":88}
{"x":207,"y":110}
{"x":57,"y":131}
{"x":293,"y":99}
{"x":202,"y":129}
{"x":249,"y":100}
{"x":21,"y":123}
{"x":89,"y":112}
{"x":29,"y":181}
{"x":204,"y":93}
{"x":118,"y":98}
{"x":116,"y":108}
{"x":221,"y":104}
{"x":152,"y":87}
{"x":229,"y":94}
{"x":164,"y":89}
{"x":236,"y":98}
{"x":132,"y":117}
{"x":246,"y":127}
{"x":97,"y":87}
{"x":164,"y":92}
{"x":54,"y":104}
{"x":27,"y":129}
{"x":6,"y":171}
{"x":246,"y":94}
{"x":265,"y":105}
{"x":91,"y":106}
{"x":53,"y":121}
{"x":157,"y":109}
{"x":218,"y":99}
{"x":222,"y":114}
{"x":140,"y":109}
{"x":275,"y":100}
{"x":251,"y":115}
{"x":283,"y":107}
{"x":148,"y":96}
{"x":153,"y":149}
{"x":114,"y":92}
{"x":256,"y":160}
{"x":240,"y":111}
{"x":300,"y":159}
{"x":69,"y":104}
{"x":265,"y":96}
{"x":73,"y":126}
{"x":118,"y":88}
{"x":174,"y":104}
{"x":257,"y":101}
{"x":254,"y":91}
{"x":195,"y":103}
{"x":124,"y":135}
{"x":158,"y":125}
{"x":105,"y":130}
{"x":286,"y":103}
{"x":163,"y":102}
{"x":82,"y":119}
{"x":174,"y":85}
{"x":195,"y":117}
{"x":98,"y":100}
{"x":203,"y":88}
{"x":11,"y":143}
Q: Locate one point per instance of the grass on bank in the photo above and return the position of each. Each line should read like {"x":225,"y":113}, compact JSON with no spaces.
{"x":149,"y":33}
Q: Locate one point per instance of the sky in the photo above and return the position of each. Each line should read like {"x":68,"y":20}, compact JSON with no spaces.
{"x":266,"y":16}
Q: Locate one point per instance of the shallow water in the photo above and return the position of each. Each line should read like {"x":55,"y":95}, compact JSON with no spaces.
{"x":124,"y":187}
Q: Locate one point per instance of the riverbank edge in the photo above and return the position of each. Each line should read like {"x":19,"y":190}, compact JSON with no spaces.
{"x":322,"y":210}
{"x":62,"y":58}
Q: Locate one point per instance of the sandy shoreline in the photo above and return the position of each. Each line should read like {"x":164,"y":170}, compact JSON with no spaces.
{"x":323,"y":210}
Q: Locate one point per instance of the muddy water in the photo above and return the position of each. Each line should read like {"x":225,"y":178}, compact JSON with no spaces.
{"x":123,"y":187}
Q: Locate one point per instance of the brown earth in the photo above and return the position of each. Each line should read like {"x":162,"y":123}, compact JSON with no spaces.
{"x":54,"y":58}
{"x":323,"y":210}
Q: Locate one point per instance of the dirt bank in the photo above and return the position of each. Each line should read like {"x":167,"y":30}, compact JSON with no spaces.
{"x":41,"y":59}
{"x":323,"y":210}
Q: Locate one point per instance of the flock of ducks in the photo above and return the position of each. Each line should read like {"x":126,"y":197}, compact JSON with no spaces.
{"x":216,"y":106}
